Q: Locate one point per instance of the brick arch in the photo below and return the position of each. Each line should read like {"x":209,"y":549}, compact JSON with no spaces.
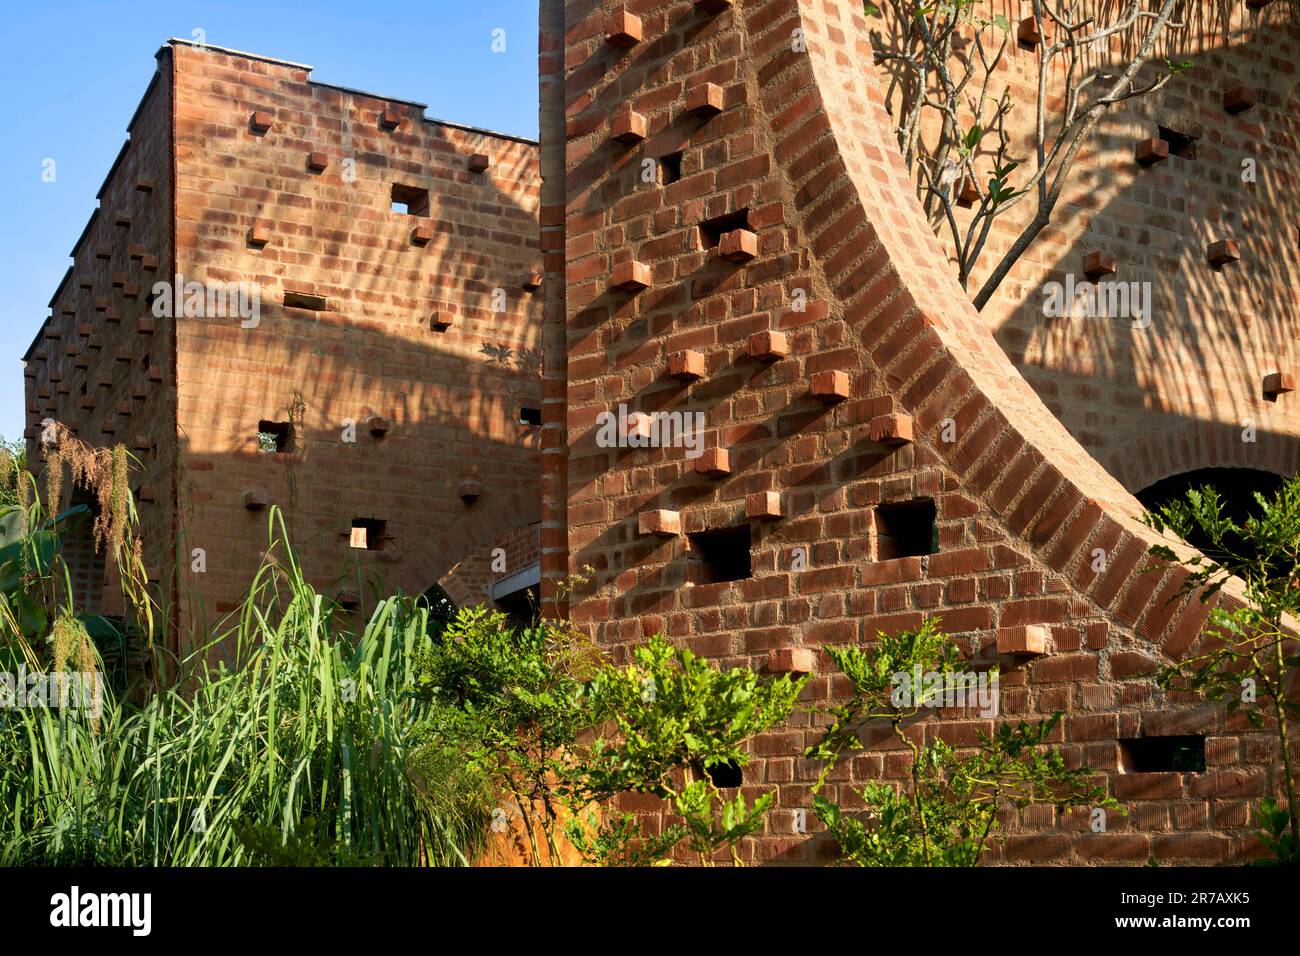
{"x":483,"y":523}
{"x":1164,"y":452}
{"x":797,"y":134}
{"x":934,"y":354}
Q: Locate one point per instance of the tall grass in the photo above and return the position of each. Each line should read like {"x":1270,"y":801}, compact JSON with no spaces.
{"x":288,"y":739}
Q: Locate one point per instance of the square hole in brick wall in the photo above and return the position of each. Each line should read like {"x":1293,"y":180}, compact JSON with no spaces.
{"x":410,"y":200}
{"x":670,"y":168}
{"x":274,"y":437}
{"x":711,"y":230}
{"x":530,"y":416}
{"x":1182,"y":145}
{"x":1179,"y":754}
{"x":906,"y":529}
{"x":368,"y":534}
{"x":720,"y":555}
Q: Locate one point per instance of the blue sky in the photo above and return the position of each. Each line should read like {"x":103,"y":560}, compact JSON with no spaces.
{"x":73,"y":73}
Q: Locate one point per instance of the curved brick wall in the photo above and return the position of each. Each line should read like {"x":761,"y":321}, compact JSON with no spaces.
{"x":802,"y":142}
{"x":1214,"y":333}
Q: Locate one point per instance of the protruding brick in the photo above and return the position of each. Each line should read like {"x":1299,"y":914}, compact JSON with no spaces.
{"x":829,"y":387}
{"x":123,"y":353}
{"x":440,"y":321}
{"x":122,"y":218}
{"x":630,"y":276}
{"x":422,"y":234}
{"x":390,"y":119}
{"x":1222,"y":252}
{"x":1028,"y":34}
{"x":627,"y":126}
{"x":1099,"y":263}
{"x":155,"y":373}
{"x":145,"y":493}
{"x":141,"y":443}
{"x":622,"y":29}
{"x":738,"y":245}
{"x":1278,"y":383}
{"x":714,"y":463}
{"x":763,"y":505}
{"x":1026,"y":639}
{"x":768,"y":346}
{"x":478,"y":162}
{"x":1238,"y":98}
{"x":144,"y":184}
{"x":147,"y":325}
{"x":117,"y":280}
{"x":665,"y":523}
{"x":1151,"y":151}
{"x":149,"y":263}
{"x":686,"y":366}
{"x":316,"y":162}
{"x":256,"y":498}
{"x":532,"y":281}
{"x":712,"y":6}
{"x":791,"y":660}
{"x":704,"y":100}
{"x":378,"y":425}
{"x":259,"y":233}
{"x":894,"y":429}
{"x":261,"y":121}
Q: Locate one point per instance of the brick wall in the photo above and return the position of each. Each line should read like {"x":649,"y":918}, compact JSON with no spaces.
{"x":883,"y":387}
{"x":1173,"y":397}
{"x":99,"y":364}
{"x":403,"y":393}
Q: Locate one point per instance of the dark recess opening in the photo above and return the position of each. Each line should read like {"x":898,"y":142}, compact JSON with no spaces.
{"x":905,"y":530}
{"x":305,"y":300}
{"x":720,"y":555}
{"x":1182,"y":754}
{"x":368,"y":534}
{"x":670,"y":168}
{"x":711,"y":230}
{"x":1236,"y":488}
{"x":530,"y":416}
{"x":410,"y":200}
{"x":725,"y":775}
{"x":275,"y":437}
{"x":1180,"y":144}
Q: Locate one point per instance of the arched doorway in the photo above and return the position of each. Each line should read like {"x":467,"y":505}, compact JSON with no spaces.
{"x":1235,"y":487}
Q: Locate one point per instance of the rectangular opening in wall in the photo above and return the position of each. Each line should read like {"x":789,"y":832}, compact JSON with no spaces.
{"x":1179,"y":754}
{"x":1182,"y":145}
{"x":711,"y":230}
{"x":410,"y":200}
{"x":670,"y":168}
{"x":274,"y":437}
{"x":368,"y":534}
{"x":530,"y":416}
{"x":305,"y":300}
{"x":906,"y":529}
{"x":719,"y":555}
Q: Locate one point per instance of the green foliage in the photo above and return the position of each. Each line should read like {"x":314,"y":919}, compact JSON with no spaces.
{"x":1249,"y":656}
{"x":287,"y":730}
{"x":558,"y":729}
{"x":675,"y":717}
{"x":949,"y":811}
{"x":1274,"y":822}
